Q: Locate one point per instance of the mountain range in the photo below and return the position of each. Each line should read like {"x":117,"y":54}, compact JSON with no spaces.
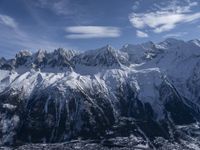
{"x":144,"y":96}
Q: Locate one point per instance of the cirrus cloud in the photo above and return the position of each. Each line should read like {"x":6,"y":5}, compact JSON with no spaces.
{"x":175,"y":35}
{"x":86,"y":32}
{"x":13,"y":35}
{"x":8,"y":21}
{"x":141,"y":34}
{"x":165,"y":18}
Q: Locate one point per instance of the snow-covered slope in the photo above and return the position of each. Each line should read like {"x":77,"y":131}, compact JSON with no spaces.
{"x":150,"y":89}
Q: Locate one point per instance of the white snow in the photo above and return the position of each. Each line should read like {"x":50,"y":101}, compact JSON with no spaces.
{"x":9,"y":106}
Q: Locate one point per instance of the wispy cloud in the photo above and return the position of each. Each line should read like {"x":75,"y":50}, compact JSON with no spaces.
{"x":60,"y":7}
{"x":183,"y":6}
{"x":13,"y":38}
{"x":9,"y":28}
{"x":73,"y":10}
{"x":136,"y":5}
{"x":8,"y":21}
{"x":86,"y":32}
{"x":141,"y":34}
{"x":175,"y":35}
{"x":165,"y":18}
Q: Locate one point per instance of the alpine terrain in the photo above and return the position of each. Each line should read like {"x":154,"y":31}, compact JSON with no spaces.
{"x":144,"y":96}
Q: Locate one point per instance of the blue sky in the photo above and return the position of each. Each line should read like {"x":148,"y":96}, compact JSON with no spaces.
{"x":89,"y":24}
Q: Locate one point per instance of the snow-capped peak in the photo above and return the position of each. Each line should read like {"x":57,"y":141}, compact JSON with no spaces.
{"x":196,"y":42}
{"x":105,"y":56}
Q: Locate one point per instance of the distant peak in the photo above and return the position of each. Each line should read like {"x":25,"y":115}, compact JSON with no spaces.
{"x":23,"y":53}
{"x":41,"y":51}
{"x":173,"y":40}
{"x":195,"y":41}
{"x":107,"y":47}
{"x":60,"y":50}
{"x":125,"y":46}
{"x":2,"y":59}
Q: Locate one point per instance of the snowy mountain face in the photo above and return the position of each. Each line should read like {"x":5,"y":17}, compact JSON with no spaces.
{"x":106,"y":56}
{"x":141,"y":96}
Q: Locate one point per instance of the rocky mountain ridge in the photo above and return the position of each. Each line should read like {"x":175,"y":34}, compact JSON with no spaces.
{"x":148,"y":91}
